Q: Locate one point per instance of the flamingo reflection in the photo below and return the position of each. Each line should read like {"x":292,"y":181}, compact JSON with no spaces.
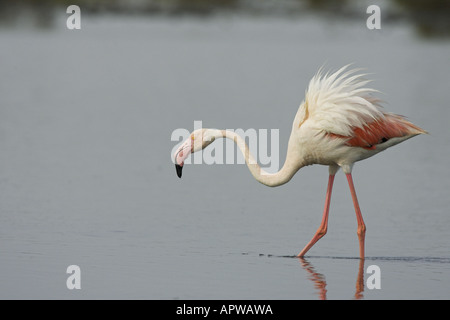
{"x":320,"y":283}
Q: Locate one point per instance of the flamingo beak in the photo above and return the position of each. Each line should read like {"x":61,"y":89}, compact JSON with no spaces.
{"x":182,"y":153}
{"x":179,"y":169}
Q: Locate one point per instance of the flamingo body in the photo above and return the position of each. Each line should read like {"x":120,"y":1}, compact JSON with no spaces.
{"x":338,"y":124}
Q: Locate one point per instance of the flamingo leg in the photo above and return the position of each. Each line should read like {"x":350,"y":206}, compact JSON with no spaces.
{"x":361,"y":231}
{"x":324,"y":225}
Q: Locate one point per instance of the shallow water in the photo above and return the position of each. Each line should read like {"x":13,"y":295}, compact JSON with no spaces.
{"x":86,"y":176}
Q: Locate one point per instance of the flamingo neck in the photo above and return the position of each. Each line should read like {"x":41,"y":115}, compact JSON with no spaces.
{"x":291,"y":165}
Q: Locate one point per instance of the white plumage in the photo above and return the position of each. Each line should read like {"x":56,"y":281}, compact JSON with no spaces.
{"x":339,"y":102}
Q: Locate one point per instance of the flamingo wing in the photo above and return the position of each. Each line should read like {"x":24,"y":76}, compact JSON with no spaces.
{"x":380,"y":131}
{"x":342,"y":107}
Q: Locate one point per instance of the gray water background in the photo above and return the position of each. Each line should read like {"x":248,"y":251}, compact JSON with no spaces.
{"x":86,"y":175}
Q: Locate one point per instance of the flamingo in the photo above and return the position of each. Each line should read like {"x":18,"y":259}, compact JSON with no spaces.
{"x":338,"y":123}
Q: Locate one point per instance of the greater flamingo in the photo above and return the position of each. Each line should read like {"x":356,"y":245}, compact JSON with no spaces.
{"x":338,"y":123}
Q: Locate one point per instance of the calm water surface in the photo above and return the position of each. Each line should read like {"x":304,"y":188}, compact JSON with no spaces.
{"x":86,"y":176}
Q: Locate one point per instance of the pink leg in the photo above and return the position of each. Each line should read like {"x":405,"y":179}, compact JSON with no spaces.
{"x":361,"y":226}
{"x":323,"y":226}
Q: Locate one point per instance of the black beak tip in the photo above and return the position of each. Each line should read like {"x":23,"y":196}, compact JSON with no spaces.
{"x":179,"y":170}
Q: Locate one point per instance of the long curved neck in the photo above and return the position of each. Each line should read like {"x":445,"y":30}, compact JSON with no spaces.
{"x":291,"y":165}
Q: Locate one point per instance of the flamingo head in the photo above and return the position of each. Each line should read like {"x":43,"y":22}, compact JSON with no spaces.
{"x":198,"y":140}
